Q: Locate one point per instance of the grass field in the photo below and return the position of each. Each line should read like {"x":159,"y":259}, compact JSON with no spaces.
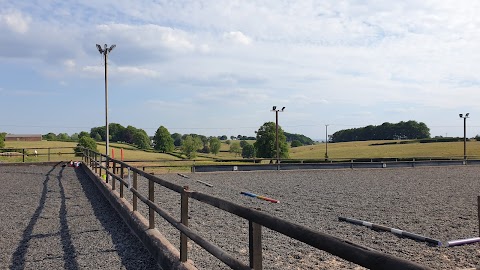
{"x":347,"y":150}
{"x":366,"y":150}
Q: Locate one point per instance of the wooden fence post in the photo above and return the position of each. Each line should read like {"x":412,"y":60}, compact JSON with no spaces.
{"x":255,"y":245}
{"x":113,"y":178}
{"x":135,"y":187}
{"x":151,"y":197}
{"x":184,"y":221}
{"x":49,"y":154}
{"x":121,"y":184}
{"x":23,"y":156}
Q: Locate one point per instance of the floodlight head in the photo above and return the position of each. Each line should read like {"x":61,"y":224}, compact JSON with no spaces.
{"x":283,"y":109}
{"x":274,"y":107}
{"x":466,"y":115}
{"x":111,"y":47}
{"x":99,"y":48}
{"x":461,"y":115}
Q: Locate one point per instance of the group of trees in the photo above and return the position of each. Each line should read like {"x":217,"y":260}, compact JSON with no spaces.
{"x":386,"y":131}
{"x":298,"y":139}
{"x":119,"y":133}
{"x":189,"y":144}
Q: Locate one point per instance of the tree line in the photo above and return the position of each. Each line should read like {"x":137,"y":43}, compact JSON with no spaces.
{"x":386,"y":131}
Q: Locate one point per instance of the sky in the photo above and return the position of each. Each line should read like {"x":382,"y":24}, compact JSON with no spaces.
{"x":217,"y":67}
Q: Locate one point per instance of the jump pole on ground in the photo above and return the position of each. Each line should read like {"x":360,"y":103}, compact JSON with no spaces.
{"x":399,"y":232}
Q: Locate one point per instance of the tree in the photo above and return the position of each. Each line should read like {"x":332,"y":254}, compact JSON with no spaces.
{"x":265,"y":145}
{"x":235,"y":148}
{"x":296,"y":143}
{"x":129,"y":134}
{"x":97,"y":137}
{"x":116,"y":131}
{"x":85,"y":142}
{"x":223,"y":137}
{"x":243,"y":143}
{"x":163,"y":140}
{"x":215,"y":145}
{"x":248,"y":151}
{"x":74,"y":137}
{"x":83,"y":134}
{"x":177,"y":139}
{"x":190,"y":145}
{"x":2,"y":139}
{"x":63,"y":137}
{"x":50,"y":136}
{"x":141,"y":139}
{"x":100,"y":131}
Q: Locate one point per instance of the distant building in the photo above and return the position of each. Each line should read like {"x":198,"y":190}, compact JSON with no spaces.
{"x":23,"y":137}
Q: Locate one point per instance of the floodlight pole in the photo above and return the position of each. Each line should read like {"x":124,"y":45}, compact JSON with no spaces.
{"x":464,"y":134}
{"x":274,"y":109}
{"x":105,"y":52}
{"x":326,"y":142}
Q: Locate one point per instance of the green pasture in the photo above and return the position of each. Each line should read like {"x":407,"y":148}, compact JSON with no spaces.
{"x":63,"y":151}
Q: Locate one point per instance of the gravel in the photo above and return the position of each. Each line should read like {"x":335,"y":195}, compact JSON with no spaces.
{"x":53,"y":217}
{"x":60,"y":229}
{"x":437,"y":202}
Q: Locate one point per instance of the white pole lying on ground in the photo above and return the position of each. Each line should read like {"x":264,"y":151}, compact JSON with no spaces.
{"x":392,"y":230}
{"x":463,"y":241}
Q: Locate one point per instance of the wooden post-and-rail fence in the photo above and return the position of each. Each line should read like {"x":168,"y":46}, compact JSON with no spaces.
{"x":344,"y":249}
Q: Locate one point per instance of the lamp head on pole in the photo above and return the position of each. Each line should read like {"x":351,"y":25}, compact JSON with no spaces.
{"x":99,"y":48}
{"x":461,"y":115}
{"x":274,"y":108}
{"x":283,"y":109}
{"x":466,"y":115}
{"x":111,"y":47}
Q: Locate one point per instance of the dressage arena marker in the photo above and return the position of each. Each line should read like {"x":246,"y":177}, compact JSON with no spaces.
{"x":249,"y":194}
{"x":392,"y":230}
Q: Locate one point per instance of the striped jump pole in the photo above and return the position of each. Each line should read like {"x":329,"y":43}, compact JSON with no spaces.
{"x":249,"y":194}
{"x":463,"y":241}
{"x":399,"y":232}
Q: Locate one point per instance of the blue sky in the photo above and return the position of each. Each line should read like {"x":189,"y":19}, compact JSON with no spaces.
{"x":218,"y":67}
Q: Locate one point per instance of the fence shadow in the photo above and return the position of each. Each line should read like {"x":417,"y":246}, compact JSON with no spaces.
{"x":125,"y":242}
{"x":18,"y":257}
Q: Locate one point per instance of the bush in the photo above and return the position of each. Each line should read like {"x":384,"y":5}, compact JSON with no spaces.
{"x":296,"y":143}
{"x":85,"y":142}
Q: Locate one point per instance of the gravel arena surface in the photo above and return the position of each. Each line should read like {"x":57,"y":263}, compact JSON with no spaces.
{"x":54,"y":217}
{"x":57,"y":219}
{"x":437,"y":202}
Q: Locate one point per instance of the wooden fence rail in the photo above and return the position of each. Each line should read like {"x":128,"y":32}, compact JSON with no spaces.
{"x":358,"y":254}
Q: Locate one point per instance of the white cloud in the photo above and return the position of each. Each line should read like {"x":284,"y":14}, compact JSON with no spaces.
{"x":237,"y":37}
{"x":16,"y":21}
{"x":70,"y":64}
{"x":137,"y":71}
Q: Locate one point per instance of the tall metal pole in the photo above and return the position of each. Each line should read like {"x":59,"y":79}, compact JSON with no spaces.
{"x":326,"y":141}
{"x":464,"y":134}
{"x":276,"y":135}
{"x":465,"y":138}
{"x":105,"y":52}
{"x":274,"y":109}
{"x":107,"y":133}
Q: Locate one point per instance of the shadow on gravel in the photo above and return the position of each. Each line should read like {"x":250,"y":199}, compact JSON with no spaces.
{"x":126,"y":245}
{"x":69,"y":252}
{"x":18,"y":257}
